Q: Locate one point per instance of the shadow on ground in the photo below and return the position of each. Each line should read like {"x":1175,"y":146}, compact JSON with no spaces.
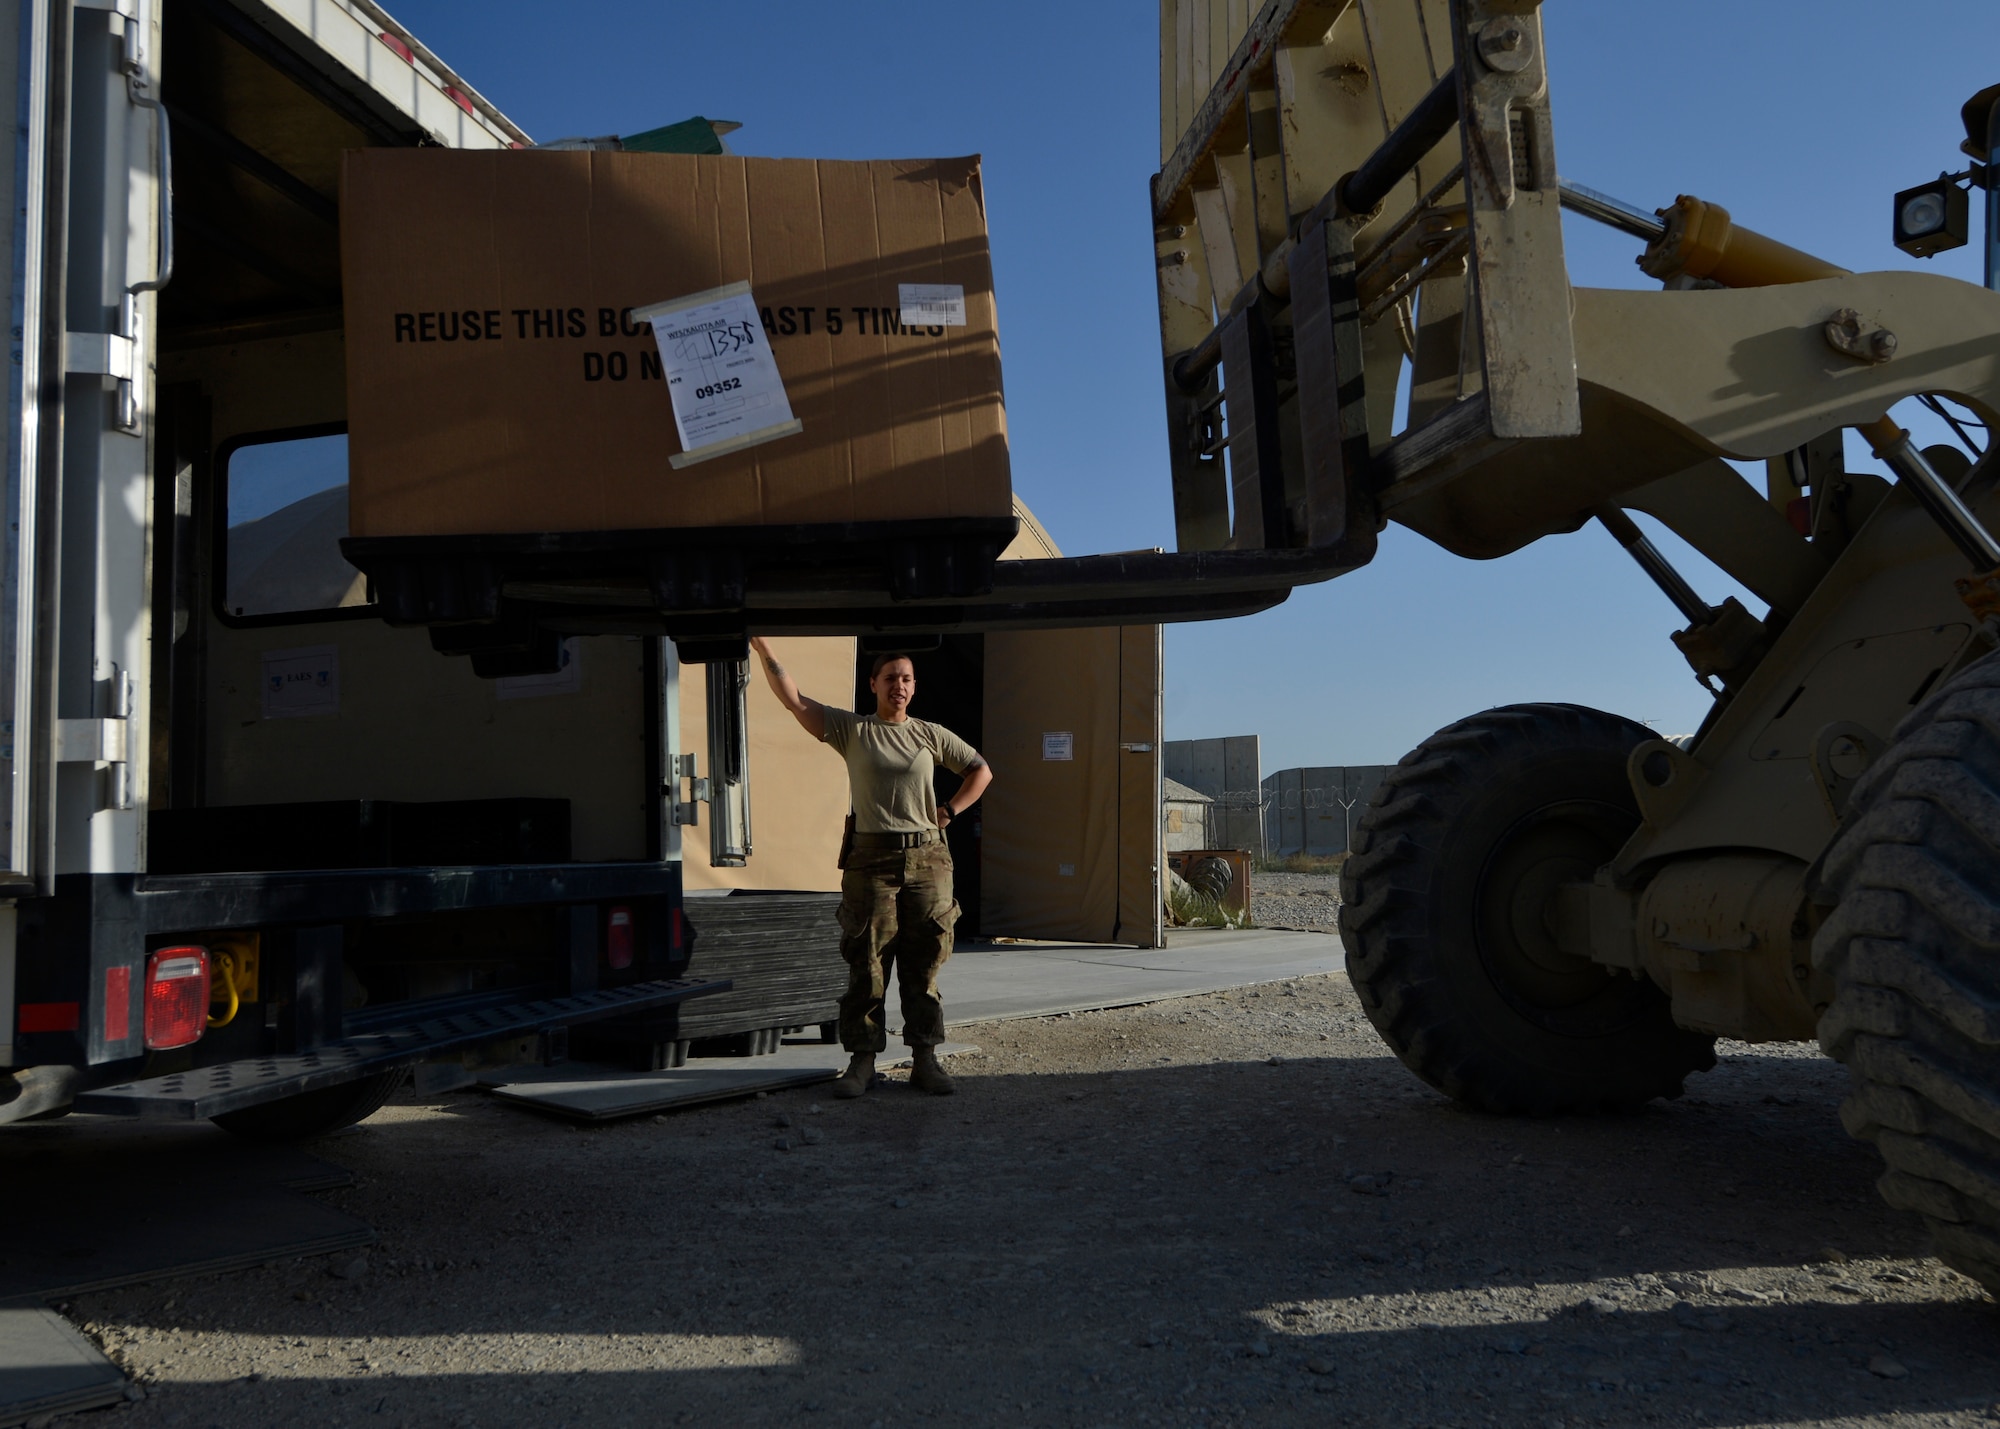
{"x":1313,"y":1241}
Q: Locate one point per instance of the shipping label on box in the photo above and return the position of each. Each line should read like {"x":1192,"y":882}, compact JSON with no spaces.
{"x":928,"y":304}
{"x":720,"y":373}
{"x":502,"y":375}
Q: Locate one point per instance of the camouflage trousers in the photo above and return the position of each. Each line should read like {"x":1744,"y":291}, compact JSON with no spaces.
{"x":896,"y":912}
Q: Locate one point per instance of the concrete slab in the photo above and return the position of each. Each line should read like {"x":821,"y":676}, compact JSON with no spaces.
{"x":985,"y":982}
{"x":46,"y":1367}
{"x":582,"y":1092}
{"x":992,"y":982}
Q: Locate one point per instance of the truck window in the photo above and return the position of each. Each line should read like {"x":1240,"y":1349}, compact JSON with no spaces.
{"x":284,"y":498}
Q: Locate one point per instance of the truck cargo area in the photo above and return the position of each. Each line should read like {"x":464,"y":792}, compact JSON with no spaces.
{"x":289,"y":848}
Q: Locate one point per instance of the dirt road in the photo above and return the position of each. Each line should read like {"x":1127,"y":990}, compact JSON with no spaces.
{"x":1226,"y":1210}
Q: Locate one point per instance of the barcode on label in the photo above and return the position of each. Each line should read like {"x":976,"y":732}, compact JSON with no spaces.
{"x":932,"y":304}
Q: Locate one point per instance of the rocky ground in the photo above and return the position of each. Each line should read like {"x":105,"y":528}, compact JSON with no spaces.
{"x":1226,"y":1210}
{"x":1309,"y":901}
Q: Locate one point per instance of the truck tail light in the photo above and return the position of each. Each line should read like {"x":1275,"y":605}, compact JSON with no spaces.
{"x":176,"y":996}
{"x":676,"y":935}
{"x":117,"y":1004}
{"x":618,"y":938}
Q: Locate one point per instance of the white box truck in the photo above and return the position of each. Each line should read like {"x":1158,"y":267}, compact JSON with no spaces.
{"x":262,"y":852}
{"x":274,"y":831}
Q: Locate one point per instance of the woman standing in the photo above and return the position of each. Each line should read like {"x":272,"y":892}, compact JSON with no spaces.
{"x":896,"y":904}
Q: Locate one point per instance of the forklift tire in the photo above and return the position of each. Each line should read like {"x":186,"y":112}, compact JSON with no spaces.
{"x":314,"y":1113}
{"x":1443,"y":913}
{"x":1912,"y":948}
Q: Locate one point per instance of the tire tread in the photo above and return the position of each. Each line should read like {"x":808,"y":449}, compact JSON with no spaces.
{"x":1913,"y":948}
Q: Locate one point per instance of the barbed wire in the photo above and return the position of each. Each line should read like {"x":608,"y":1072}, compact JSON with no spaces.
{"x":1241,"y":798}
{"x":1325,"y":799}
{"x":1317,"y":798}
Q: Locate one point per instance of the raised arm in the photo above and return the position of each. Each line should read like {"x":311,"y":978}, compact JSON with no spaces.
{"x":811,"y":718}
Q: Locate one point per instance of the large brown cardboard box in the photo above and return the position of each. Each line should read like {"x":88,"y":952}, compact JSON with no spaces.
{"x":497,"y":381}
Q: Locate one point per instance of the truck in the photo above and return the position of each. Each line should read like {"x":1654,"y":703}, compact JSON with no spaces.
{"x":1549,"y":909}
{"x":284,"y":820}
{"x":219,"y":903}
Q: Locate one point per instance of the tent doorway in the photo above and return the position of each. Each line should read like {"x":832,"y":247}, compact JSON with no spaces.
{"x":1071,"y":839}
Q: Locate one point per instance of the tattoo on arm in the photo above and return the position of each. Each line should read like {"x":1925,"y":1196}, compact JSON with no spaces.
{"x":978,"y":761}
{"x":773,"y":668}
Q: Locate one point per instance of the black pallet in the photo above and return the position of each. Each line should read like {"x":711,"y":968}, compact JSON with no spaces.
{"x":506,"y":600}
{"x":502,"y":599}
{"x":780,"y":953}
{"x":228,"y":1086}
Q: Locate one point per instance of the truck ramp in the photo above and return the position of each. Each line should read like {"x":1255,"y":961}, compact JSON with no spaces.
{"x":584,"y":1093}
{"x":205,"y":1092}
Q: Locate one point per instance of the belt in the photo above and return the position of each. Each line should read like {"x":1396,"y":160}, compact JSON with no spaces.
{"x":928,"y":836}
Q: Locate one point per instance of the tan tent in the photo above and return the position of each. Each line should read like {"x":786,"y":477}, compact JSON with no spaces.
{"x":798,"y":789}
{"x":1068,"y":841}
{"x":1072,"y":832}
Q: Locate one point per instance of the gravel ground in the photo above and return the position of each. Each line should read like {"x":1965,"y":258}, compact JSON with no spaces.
{"x":1233,"y":1209}
{"x":1308,"y":901}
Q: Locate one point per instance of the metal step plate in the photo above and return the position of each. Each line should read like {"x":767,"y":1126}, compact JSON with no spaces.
{"x":209,"y":1091}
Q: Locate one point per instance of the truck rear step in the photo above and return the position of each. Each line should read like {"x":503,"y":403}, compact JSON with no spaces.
{"x":209,"y":1091}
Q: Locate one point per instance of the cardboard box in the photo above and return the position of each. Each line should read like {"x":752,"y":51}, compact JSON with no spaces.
{"x":497,"y":381}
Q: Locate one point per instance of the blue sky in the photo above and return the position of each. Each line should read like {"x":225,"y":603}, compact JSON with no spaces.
{"x":1800,"y":118}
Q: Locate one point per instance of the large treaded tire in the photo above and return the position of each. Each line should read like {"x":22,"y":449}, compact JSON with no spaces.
{"x":1442,"y":900}
{"x":314,"y":1113}
{"x":1913,"y":950}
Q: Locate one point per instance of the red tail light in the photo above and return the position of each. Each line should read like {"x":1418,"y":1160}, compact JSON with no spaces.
{"x":618,"y":938}
{"x":176,"y":996}
{"x":117,"y":1004}
{"x":676,"y":935}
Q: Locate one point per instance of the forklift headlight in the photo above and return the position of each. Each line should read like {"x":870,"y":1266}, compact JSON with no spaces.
{"x":1922,"y":215}
{"x":1932,"y":218}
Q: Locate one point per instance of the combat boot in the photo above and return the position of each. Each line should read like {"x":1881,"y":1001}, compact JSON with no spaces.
{"x":926,"y":1075}
{"x":854,"y":1081}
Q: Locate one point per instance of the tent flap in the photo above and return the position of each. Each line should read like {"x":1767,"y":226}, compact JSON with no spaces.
{"x":1070,"y":844}
{"x":1141,"y":919}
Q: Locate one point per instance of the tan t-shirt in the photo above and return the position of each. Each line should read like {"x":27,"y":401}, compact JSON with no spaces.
{"x":889,"y":768}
